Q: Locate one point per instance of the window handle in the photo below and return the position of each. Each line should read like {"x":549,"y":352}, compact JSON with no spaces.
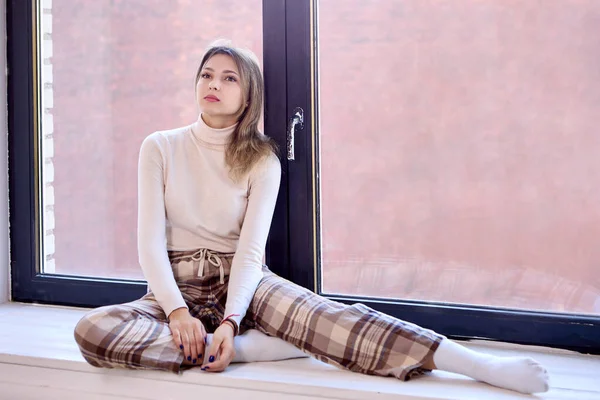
{"x":295,"y":122}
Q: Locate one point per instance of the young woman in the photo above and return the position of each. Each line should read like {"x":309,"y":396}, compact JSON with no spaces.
{"x":206,"y":197}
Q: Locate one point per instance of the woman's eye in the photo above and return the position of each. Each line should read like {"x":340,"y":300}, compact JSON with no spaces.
{"x":205,"y":76}
{"x":231,"y":79}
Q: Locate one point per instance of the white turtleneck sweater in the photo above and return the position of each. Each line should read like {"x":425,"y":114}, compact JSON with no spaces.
{"x":187,"y":201}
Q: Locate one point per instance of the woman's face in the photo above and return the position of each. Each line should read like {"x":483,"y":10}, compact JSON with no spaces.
{"x":219,"y":91}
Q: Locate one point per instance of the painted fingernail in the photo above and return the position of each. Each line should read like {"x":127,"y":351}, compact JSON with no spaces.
{"x":204,"y":368}
{"x":181,"y":346}
{"x":200,"y":355}
{"x":204,"y":339}
{"x":189,"y":358}
{"x":211,"y":358}
{"x":194,"y":361}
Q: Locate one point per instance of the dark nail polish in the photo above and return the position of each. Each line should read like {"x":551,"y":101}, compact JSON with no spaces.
{"x":189,"y":358}
{"x":204,"y":339}
{"x":211,"y":358}
{"x":200,"y":355}
{"x":194,"y":361}
{"x":181,"y":346}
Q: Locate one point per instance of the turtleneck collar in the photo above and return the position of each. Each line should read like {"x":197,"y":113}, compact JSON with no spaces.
{"x":211,"y":136}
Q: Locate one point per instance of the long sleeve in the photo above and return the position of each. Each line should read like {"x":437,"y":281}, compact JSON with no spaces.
{"x":246,"y":268}
{"x":151,"y":229}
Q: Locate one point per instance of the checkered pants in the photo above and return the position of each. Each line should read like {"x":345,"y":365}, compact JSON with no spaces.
{"x":136,"y":335}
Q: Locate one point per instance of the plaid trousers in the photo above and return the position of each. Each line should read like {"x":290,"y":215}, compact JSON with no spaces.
{"x":136,"y":335}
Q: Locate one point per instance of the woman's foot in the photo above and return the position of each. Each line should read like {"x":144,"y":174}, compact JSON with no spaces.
{"x":521,"y":374}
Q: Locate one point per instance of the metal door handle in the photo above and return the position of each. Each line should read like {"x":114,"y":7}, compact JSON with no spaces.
{"x":295,"y":122}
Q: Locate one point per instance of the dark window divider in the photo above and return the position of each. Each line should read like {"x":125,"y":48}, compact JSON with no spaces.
{"x":300,"y":202}
{"x":274,"y":72}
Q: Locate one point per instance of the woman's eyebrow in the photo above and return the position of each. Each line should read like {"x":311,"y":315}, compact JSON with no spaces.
{"x":227,"y":71}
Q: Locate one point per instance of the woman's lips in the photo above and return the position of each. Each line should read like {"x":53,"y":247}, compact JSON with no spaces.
{"x":211,"y":99}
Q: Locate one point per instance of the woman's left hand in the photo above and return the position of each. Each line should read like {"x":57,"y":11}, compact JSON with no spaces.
{"x":221,"y":350}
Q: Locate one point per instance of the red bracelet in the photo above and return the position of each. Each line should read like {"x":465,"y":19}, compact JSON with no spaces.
{"x":234,"y":324}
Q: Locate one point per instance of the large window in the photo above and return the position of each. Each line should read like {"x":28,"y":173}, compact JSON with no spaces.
{"x":461,"y":140}
{"x":444,"y":167}
{"x":91,"y":80}
{"x":448,"y":172}
{"x":112,"y":73}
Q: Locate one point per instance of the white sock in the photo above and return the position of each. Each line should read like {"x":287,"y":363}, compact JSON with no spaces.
{"x":521,"y":374}
{"x":254,"y":345}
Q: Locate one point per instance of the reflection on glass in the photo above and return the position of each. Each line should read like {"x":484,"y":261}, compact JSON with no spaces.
{"x":465,"y":149}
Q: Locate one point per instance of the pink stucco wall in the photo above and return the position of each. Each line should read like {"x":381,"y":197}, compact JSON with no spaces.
{"x":458,"y":139}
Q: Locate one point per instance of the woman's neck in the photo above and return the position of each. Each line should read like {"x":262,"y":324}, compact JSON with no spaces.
{"x":217,"y":122}
{"x":209,"y":135}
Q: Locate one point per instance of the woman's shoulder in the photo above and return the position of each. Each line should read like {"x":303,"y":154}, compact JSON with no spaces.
{"x":271,"y":161}
{"x":168,"y":135}
{"x":162,"y":144}
{"x":268,"y":165}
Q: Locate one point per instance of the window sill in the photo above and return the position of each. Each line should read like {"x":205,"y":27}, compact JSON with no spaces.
{"x":38,"y":355}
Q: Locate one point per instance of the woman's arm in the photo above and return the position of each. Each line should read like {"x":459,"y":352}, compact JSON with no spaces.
{"x":151,"y":231}
{"x":246,"y":268}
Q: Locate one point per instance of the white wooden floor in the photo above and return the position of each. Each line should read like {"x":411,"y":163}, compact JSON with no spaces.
{"x":39,"y":359}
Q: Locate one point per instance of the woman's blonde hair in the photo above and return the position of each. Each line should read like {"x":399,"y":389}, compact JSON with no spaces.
{"x":247,"y":145}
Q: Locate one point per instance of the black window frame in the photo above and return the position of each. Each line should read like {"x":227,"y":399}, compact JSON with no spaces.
{"x":290,"y":60}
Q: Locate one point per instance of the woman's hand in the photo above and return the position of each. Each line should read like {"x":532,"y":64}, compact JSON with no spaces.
{"x":221,"y":350}
{"x":189,"y":334}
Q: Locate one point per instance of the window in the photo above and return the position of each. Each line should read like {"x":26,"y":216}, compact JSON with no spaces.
{"x":117,"y":72}
{"x":465,"y":152}
{"x":447,"y":172}
{"x":443,"y":176}
{"x":103,"y":75}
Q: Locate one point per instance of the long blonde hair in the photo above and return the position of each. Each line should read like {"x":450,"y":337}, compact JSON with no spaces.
{"x":247,"y":145}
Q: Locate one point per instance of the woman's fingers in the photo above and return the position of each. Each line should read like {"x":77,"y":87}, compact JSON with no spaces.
{"x":177,"y":338}
{"x":199,"y":335}
{"x":221,"y":351}
{"x":224,"y":358}
{"x":193,"y":346}
{"x":189,"y":335}
{"x":212,"y":351}
{"x":186,"y":345}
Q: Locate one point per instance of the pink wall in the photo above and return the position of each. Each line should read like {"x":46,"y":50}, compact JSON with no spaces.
{"x":458,"y":151}
{"x":122,"y":70}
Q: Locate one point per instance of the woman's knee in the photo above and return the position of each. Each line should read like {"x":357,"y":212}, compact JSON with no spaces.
{"x":94,"y":325}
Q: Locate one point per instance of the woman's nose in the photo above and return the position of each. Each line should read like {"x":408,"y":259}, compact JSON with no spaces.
{"x":213,"y":85}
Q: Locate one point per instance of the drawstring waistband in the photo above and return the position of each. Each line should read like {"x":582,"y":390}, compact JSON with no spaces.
{"x":199,"y":258}
{"x":213,"y":258}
